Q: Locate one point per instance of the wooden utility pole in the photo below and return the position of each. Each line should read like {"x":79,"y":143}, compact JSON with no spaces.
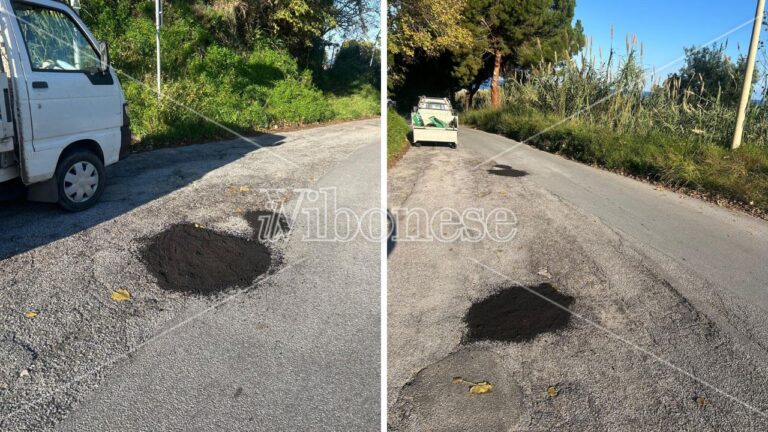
{"x":746,"y":91}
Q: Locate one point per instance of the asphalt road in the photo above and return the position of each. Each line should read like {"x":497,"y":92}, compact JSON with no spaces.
{"x":298,"y":350}
{"x":664,"y":336}
{"x":726,"y":247}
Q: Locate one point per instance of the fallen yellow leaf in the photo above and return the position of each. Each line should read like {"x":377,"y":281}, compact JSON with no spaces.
{"x":481,"y":388}
{"x":121,"y":295}
{"x":245,"y":189}
{"x":239,"y":210}
{"x":30,"y":314}
{"x":198,"y":226}
{"x":552,"y":391}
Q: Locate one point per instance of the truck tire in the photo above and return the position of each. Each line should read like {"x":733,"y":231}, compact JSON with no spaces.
{"x":416,"y":144}
{"x":453,"y":145}
{"x":80,"y":179}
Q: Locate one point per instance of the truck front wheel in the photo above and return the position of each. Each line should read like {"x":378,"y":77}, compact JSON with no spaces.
{"x":80,"y":179}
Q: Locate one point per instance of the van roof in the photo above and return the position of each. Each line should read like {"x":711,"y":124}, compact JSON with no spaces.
{"x":433,"y":99}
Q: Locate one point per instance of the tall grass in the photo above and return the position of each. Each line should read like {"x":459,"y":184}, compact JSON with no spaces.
{"x":604,"y":117}
{"x":613,"y":94}
{"x":397,"y":136}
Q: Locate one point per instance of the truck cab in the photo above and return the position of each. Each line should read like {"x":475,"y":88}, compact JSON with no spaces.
{"x":63,"y":117}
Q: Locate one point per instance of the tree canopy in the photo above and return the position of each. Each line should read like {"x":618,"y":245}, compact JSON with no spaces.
{"x":710,"y":75}
{"x":481,"y":37}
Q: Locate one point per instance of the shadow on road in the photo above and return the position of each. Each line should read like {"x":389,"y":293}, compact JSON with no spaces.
{"x":391,"y":232}
{"x":135,"y":181}
{"x":506,"y":171}
{"x":432,"y":144}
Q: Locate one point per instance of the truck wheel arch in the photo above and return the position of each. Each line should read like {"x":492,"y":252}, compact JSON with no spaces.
{"x":87,"y":144}
{"x":47,"y":191}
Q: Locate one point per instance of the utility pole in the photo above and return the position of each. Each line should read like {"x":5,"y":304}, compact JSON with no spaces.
{"x":746,"y":91}
{"x":158,"y":23}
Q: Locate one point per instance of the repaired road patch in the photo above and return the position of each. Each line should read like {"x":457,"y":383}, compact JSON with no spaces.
{"x":432,"y":401}
{"x":192,"y":259}
{"x":518,"y":314}
{"x":265,"y":224}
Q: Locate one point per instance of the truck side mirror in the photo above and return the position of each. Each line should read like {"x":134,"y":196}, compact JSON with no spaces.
{"x":104,"y":57}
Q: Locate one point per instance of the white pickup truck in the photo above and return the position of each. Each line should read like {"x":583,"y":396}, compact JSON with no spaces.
{"x":433,"y":120}
{"x":63,"y":114}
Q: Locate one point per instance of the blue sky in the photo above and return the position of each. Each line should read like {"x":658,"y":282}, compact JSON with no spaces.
{"x":666,"y":27}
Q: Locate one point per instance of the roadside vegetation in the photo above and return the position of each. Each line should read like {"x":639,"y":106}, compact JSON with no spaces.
{"x":561,"y":96}
{"x":248,"y":65}
{"x":397,"y":136}
{"x":678,"y":134}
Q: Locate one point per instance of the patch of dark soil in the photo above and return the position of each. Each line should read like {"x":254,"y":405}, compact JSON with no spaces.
{"x":506,"y":171}
{"x":192,"y":259}
{"x":515,"y":314}
{"x":265,"y":224}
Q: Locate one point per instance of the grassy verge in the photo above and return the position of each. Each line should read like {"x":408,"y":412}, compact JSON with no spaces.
{"x":216,"y":73}
{"x":397,"y":137}
{"x":192,"y":108}
{"x":364,"y":103}
{"x":674,"y":160}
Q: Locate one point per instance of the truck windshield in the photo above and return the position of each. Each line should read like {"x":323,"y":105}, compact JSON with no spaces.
{"x":54,"y":41}
{"x":436,"y":106}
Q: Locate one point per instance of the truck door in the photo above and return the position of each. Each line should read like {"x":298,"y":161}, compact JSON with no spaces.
{"x":69,"y":97}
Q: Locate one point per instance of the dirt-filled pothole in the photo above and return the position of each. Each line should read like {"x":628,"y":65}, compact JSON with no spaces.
{"x":506,"y":171}
{"x":515,"y":314}
{"x":265,"y":224}
{"x":193,"y":259}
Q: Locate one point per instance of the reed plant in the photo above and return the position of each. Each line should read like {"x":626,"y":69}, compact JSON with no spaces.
{"x":599,"y":111}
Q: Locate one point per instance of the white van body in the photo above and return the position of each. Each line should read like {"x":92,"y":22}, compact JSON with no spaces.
{"x":439,"y":108}
{"x":61,"y":104}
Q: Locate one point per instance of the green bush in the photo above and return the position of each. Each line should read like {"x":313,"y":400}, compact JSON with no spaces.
{"x":365,"y":102}
{"x":397,"y":136}
{"x":245,"y":87}
{"x":297,"y":101}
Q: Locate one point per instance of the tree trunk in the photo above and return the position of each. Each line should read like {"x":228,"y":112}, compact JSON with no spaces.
{"x":470,"y":97}
{"x":495,"y":99}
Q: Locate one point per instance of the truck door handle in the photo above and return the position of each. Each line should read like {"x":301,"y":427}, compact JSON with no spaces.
{"x":39,"y":84}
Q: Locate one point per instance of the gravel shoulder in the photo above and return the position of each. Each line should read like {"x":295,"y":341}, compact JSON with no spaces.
{"x":625,"y":362}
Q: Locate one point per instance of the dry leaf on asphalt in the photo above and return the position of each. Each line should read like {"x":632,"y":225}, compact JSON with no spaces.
{"x":481,"y":388}
{"x":245,"y":189}
{"x":121,"y":295}
{"x":544,"y":272}
{"x":701,"y":401}
{"x":30,"y":314}
{"x":457,"y":380}
{"x":552,"y":391}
